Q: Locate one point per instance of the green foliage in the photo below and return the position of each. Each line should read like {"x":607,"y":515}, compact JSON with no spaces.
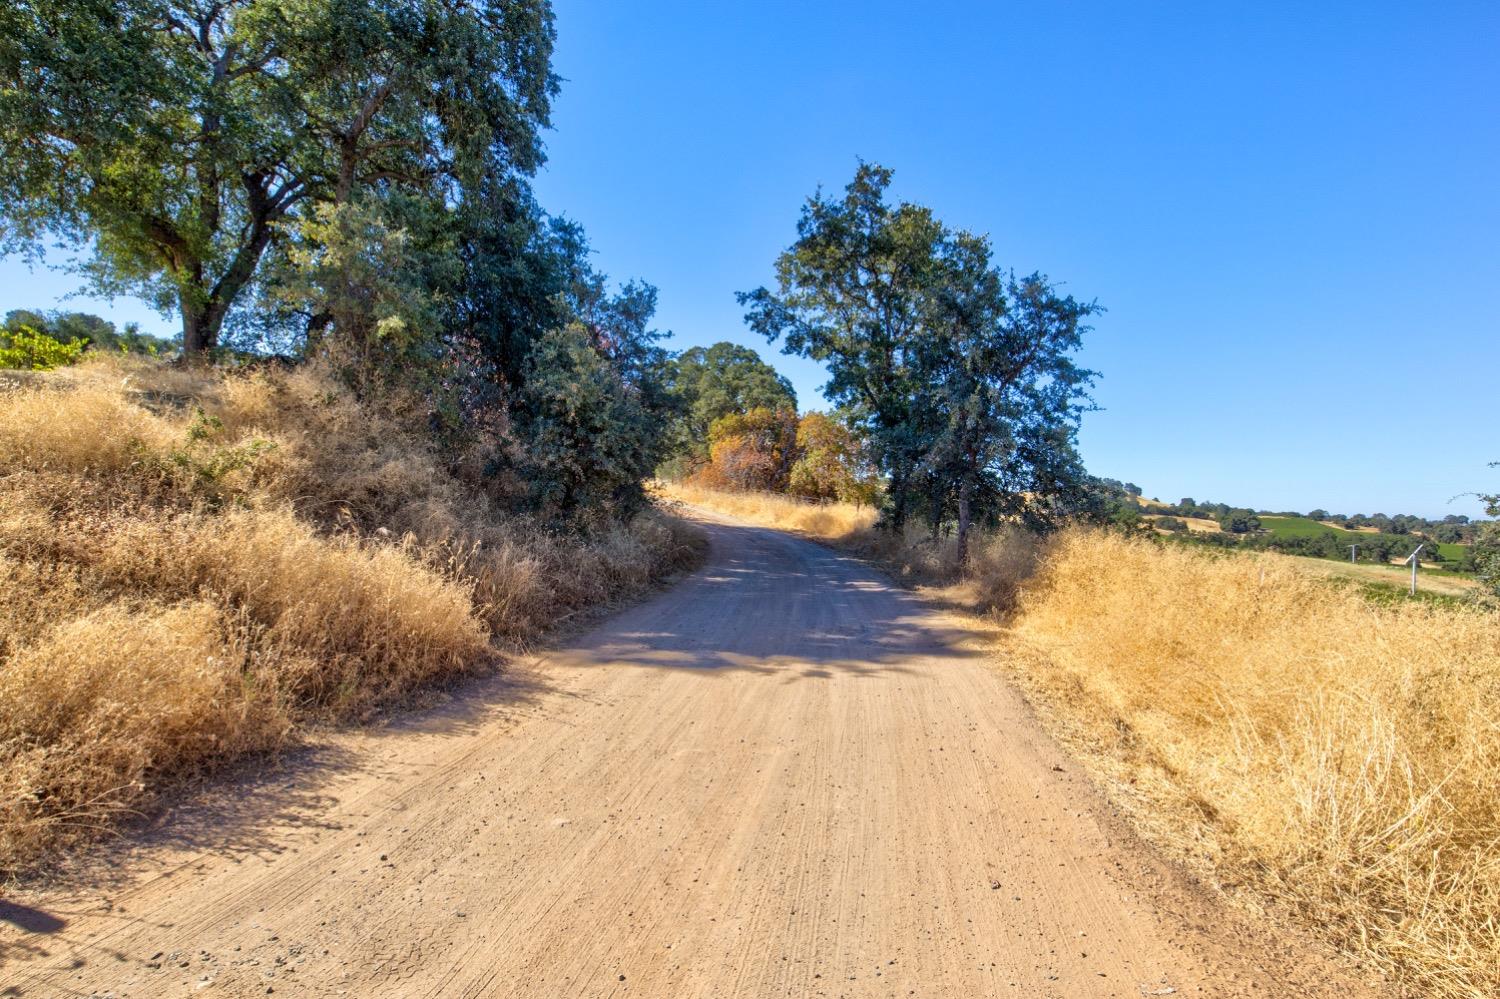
{"x":177,"y":140}
{"x":29,"y":349}
{"x":592,"y":404}
{"x":1486,"y":550}
{"x":717,"y":381}
{"x":91,"y":331}
{"x":591,"y":435}
{"x":521,"y":272}
{"x":1106,"y":502}
{"x":1239,"y":522}
{"x":371,"y":272}
{"x":957,"y":375}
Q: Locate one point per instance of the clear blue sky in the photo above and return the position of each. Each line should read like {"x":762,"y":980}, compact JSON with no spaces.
{"x":1292,"y":212}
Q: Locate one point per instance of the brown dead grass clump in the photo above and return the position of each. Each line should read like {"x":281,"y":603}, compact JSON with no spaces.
{"x":194,"y":562}
{"x":91,"y":713}
{"x":1291,"y":736}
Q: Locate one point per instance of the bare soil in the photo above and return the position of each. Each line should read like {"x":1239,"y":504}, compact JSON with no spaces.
{"x":783,"y":777}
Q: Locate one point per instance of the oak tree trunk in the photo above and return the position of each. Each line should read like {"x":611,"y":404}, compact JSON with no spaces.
{"x":964,"y":520}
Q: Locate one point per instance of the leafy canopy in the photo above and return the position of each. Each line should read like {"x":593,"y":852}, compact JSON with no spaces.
{"x":831,"y":464}
{"x":180,"y":141}
{"x":721,"y":380}
{"x":851,"y":293}
{"x":958,"y":376}
{"x":30,"y":349}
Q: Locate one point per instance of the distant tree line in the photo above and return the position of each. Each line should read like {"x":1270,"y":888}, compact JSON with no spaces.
{"x":33,"y":339}
{"x":1452,"y":529}
{"x":1377,"y":548}
{"x":1393,"y":537}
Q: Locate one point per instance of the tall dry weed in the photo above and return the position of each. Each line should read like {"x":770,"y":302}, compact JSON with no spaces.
{"x":93,"y":713}
{"x":1294,"y":736}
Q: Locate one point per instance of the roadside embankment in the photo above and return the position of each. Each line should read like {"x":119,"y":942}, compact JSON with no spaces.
{"x":194,"y":563}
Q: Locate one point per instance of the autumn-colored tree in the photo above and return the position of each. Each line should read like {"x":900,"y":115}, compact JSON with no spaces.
{"x":831,"y":464}
{"x":753,"y":450}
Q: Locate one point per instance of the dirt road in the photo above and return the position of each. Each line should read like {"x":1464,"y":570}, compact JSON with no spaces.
{"x":783,"y":777}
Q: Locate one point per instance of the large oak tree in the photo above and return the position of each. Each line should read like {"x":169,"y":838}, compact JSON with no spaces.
{"x":958,"y":375}
{"x":176,"y":140}
{"x":852,"y":293}
{"x":722,"y":380}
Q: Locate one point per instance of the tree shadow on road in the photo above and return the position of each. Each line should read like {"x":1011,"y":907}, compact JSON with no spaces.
{"x":773,"y":604}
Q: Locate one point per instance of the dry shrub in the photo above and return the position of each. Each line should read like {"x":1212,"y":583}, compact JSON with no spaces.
{"x":192,"y":561}
{"x":363,"y":621}
{"x":1291,"y":735}
{"x":527,"y":578}
{"x":93,"y":712}
{"x":340,"y":461}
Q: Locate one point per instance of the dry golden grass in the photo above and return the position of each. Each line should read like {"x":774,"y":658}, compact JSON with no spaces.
{"x":92,"y":712}
{"x":1197,"y":525}
{"x":1292,"y":736}
{"x":192,"y":563}
{"x":829,"y":521}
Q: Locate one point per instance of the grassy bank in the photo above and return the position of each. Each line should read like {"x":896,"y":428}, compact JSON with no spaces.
{"x":193,"y":564}
{"x":1335,"y":753}
{"x":1294,"y":740}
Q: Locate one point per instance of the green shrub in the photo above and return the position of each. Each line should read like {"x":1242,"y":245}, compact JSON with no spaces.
{"x":31,"y":350}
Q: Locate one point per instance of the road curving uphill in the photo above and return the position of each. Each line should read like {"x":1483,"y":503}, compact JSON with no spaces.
{"x":783,"y":777}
